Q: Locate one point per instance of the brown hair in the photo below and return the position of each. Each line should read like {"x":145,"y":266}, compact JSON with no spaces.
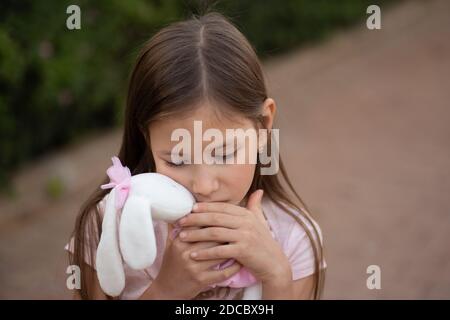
{"x":204,"y":57}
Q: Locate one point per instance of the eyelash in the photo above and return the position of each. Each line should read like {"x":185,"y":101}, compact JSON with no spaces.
{"x":171,"y":164}
{"x":229,"y":155}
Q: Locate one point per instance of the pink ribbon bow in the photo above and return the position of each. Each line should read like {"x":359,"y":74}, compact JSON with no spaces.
{"x":120,"y":179}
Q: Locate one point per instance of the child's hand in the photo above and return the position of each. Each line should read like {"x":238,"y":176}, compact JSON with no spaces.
{"x":245,"y":232}
{"x":181,"y":277}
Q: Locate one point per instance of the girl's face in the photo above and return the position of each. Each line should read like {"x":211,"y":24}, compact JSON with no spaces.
{"x":207,"y":182}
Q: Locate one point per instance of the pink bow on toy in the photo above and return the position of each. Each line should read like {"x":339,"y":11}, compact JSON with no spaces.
{"x":120,"y":179}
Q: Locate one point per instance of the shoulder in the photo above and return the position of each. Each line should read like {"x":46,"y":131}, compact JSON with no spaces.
{"x":294,"y":229}
{"x":285,"y":221}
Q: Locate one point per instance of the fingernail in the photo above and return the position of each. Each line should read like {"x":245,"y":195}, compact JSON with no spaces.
{"x":193,"y":254}
{"x":182,"y":220}
{"x":183,"y":234}
{"x":195,"y":207}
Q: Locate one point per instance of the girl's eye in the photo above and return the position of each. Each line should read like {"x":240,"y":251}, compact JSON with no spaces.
{"x":171,"y":164}
{"x":228,"y":156}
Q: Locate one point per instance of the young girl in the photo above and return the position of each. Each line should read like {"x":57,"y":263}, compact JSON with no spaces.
{"x":204,"y":69}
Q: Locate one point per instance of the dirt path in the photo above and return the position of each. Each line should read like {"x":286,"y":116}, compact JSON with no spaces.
{"x":364,"y":125}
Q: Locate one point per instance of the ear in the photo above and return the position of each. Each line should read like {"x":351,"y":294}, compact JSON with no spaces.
{"x":268,"y":111}
{"x":137,"y":236}
{"x":109,"y":265}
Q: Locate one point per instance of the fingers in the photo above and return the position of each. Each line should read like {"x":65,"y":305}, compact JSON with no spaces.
{"x":185,"y":245}
{"x":214,"y":209}
{"x":216,"y":234}
{"x":225,"y":251}
{"x":207,"y":264}
{"x":216,"y":276}
{"x":219,"y":207}
{"x":210,"y":219}
{"x":173,"y":231}
{"x":201,"y":245}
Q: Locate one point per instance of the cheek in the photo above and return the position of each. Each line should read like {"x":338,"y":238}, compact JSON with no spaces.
{"x":239,"y":178}
{"x":161,"y":167}
{"x":173,"y":173}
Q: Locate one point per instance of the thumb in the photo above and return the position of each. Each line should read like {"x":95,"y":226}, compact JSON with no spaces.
{"x":254,"y":201}
{"x":254,"y":205}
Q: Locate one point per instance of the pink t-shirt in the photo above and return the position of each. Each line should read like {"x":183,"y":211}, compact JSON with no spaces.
{"x":286,"y":231}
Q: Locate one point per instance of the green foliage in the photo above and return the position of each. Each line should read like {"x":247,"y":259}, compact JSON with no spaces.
{"x":56,"y":84}
{"x":54,"y":188}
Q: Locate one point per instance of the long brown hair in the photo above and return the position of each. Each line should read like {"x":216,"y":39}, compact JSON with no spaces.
{"x":204,"y":57}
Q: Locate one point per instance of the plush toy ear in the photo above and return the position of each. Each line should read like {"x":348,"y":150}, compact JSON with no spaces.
{"x":253,"y":292}
{"x":137,"y":236}
{"x":109,"y":265}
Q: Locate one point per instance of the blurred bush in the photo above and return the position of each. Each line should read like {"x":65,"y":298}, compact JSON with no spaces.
{"x":58,"y":84}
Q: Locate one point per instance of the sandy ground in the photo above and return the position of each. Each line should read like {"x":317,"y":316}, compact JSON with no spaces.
{"x":364,"y":130}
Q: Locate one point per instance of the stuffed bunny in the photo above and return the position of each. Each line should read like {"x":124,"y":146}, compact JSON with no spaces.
{"x":142,"y":198}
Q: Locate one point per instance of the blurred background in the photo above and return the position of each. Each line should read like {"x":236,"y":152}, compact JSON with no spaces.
{"x":363,"y":117}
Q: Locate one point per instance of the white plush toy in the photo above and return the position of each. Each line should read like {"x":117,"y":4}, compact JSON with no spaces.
{"x":142,"y":198}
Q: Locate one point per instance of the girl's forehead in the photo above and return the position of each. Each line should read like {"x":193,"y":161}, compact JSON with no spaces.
{"x":202,"y":118}
{"x":201,"y":128}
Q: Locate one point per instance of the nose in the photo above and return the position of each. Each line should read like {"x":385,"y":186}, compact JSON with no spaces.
{"x":204,"y":182}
